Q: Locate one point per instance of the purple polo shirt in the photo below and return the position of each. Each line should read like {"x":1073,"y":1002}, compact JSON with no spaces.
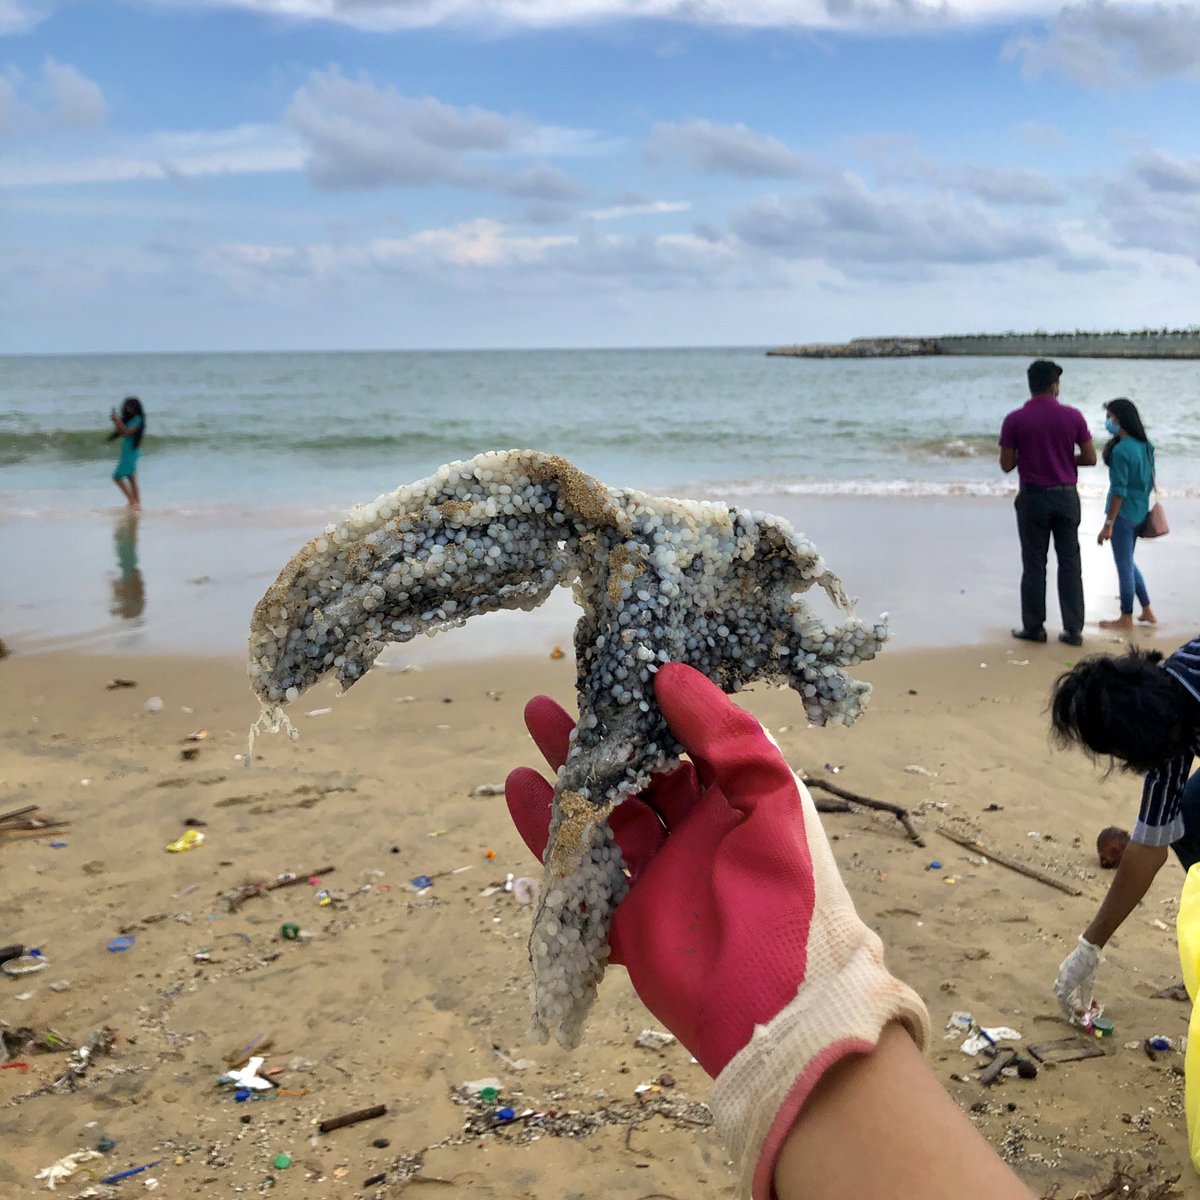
{"x":1044,"y":433}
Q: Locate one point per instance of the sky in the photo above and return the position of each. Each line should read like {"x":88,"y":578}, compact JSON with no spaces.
{"x":403,"y":174}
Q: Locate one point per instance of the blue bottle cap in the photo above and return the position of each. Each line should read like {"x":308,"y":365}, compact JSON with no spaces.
{"x":506,"y":1114}
{"x":422,"y":881}
{"x":242,"y":1095}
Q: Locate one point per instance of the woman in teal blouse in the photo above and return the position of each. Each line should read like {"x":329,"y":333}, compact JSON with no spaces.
{"x":1129,"y":457}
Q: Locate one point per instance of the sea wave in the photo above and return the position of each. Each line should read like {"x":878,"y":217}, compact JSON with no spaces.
{"x":957,"y":446}
{"x":900,"y":488}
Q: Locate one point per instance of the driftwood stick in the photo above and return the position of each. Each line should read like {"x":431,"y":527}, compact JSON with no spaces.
{"x":1011,"y":864}
{"x":990,"y":1073}
{"x":901,"y":814}
{"x":34,"y":831}
{"x":833,"y":805}
{"x":17,"y":812}
{"x":363,"y":1114}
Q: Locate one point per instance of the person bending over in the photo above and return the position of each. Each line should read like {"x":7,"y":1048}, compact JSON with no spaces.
{"x":1143,"y":714}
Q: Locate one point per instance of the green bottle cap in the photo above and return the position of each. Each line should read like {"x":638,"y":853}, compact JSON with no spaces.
{"x":489,"y":1094}
{"x":283,"y":1161}
{"x":290,"y":932}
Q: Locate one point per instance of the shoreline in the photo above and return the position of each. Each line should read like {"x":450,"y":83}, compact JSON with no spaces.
{"x":374,"y":1010}
{"x":946,"y":569}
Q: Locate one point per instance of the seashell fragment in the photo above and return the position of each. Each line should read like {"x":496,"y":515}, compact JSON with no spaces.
{"x":658,"y":580}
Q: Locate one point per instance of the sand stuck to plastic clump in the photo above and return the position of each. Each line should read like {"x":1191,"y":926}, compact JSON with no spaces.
{"x":658,"y":580}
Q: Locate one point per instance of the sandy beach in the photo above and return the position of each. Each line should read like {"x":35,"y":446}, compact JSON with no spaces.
{"x":402,"y":995}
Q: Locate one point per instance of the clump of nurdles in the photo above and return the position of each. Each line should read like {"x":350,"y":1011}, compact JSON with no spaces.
{"x":658,"y":580}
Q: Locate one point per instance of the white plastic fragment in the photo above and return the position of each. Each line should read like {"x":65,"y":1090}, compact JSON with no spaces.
{"x":980,"y":1040}
{"x":654,"y":1039}
{"x":917,"y":769}
{"x":318,"y":712}
{"x":154,"y":704}
{"x":66,"y":1166}
{"x":248,"y":1075}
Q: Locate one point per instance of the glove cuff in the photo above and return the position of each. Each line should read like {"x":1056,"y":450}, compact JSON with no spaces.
{"x":759,"y":1094}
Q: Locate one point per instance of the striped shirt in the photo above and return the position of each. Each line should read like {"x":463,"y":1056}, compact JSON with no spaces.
{"x":1160,"y":821}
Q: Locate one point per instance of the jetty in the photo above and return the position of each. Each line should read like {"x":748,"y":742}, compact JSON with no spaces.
{"x":1139,"y":343}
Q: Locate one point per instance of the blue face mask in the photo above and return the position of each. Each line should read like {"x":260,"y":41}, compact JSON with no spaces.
{"x":1112,"y":427}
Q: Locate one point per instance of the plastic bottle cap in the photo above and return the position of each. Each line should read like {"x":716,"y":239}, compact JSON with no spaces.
{"x":283,"y":1161}
{"x":506,"y":1114}
{"x":290,"y":932}
{"x":489,"y":1094}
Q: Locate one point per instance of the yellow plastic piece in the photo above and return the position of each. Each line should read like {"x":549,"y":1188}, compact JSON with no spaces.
{"x":193,"y":837}
{"x":1188,"y":926}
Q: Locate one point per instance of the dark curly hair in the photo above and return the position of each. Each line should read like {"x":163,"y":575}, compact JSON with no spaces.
{"x":1123,"y":707}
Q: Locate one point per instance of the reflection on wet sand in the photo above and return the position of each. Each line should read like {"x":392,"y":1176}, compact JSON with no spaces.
{"x":129,"y":589}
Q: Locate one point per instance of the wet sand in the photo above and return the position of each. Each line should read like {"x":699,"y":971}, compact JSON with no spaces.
{"x":947,"y":569}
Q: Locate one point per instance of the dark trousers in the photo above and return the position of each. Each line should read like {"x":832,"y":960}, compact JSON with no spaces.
{"x":1187,"y":849}
{"x":1042,"y":514}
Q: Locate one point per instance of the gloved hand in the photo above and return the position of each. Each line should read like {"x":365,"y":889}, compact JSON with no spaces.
{"x":737,"y":931}
{"x":1076,"y":981}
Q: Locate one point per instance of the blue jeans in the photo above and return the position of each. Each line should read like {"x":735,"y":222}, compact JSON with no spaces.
{"x":1129,"y":578}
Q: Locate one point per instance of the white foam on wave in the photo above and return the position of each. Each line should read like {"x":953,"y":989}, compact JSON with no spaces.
{"x":898,"y":488}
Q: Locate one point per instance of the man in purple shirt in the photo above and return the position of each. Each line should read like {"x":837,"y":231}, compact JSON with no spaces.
{"x":1040,"y":440}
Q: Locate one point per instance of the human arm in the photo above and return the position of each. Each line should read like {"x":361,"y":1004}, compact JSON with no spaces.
{"x":1139,"y":865}
{"x":920,"y":1142}
{"x":122,"y":430}
{"x":1159,"y":824}
{"x":1114,"y":507}
{"x":740,"y":937}
{"x":1087,"y":454}
{"x":1008,"y":444}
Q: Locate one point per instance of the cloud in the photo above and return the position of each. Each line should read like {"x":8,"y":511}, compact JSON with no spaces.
{"x":485,"y":253}
{"x":179,"y":157}
{"x":1162,"y":173}
{"x":726,"y":150}
{"x":638,"y":208}
{"x":1102,"y":44}
{"x":851,"y":227}
{"x":543,"y":183}
{"x":1002,"y":186}
{"x":360,"y":136}
{"x":383,"y":15}
{"x":1155,"y":206}
{"x":60,"y":98}
{"x":17,"y":16}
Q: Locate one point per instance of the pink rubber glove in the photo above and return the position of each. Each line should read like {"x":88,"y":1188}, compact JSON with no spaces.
{"x":737,"y":932}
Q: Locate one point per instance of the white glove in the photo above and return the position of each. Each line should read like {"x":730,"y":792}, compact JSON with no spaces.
{"x":1075,"y":982}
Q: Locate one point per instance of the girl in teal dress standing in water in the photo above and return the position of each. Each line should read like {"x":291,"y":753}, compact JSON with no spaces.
{"x":130,"y":426}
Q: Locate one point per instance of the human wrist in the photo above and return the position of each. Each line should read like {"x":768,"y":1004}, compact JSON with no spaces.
{"x":758,"y":1097}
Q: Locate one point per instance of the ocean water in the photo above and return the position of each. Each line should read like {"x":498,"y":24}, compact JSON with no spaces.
{"x":310,"y":433}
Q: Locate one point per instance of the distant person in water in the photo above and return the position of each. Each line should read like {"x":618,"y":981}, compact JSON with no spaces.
{"x":1129,"y":457}
{"x":1040,"y":439}
{"x":130,"y":426}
